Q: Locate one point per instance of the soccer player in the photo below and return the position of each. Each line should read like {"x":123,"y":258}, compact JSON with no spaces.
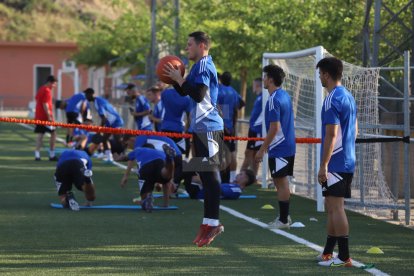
{"x":255,"y":129}
{"x":76,"y":109}
{"x":231,"y":190}
{"x":176,"y":107}
{"x":74,"y":168}
{"x":201,"y":84}
{"x":44,"y":112}
{"x":280,"y":140}
{"x":142,"y":112}
{"x":229,"y":102}
{"x":109,"y":118}
{"x":339,"y":130}
{"x":158,"y":142}
{"x":153,"y":166}
{"x":153,"y":94}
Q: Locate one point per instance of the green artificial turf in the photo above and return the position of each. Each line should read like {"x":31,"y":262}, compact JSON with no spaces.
{"x":38,"y":240}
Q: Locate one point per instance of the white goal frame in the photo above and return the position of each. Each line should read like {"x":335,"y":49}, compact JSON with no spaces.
{"x":318,"y":52}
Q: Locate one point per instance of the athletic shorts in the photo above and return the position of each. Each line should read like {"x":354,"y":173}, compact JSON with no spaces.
{"x":71,"y":172}
{"x":43,"y":129}
{"x":73,"y":118}
{"x":281,"y":166}
{"x":150,"y":173}
{"x":208,"y":147}
{"x":254,"y":145}
{"x":338,"y":184}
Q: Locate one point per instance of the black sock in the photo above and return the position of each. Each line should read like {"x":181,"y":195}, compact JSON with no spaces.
{"x":284,"y":211}
{"x":343,"y":248}
{"x":67,"y":138}
{"x":330,"y":245}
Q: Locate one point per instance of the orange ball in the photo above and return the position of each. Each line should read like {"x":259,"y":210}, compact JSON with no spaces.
{"x":175,"y":61}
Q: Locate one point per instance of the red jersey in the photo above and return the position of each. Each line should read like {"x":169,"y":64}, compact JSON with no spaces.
{"x":44,"y":95}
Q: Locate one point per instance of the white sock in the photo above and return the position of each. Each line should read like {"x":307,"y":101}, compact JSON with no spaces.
{"x":37,"y":154}
{"x":108,"y":154}
{"x":51,"y":153}
{"x":232,"y":176}
{"x":213,"y":222}
{"x":205,"y":221}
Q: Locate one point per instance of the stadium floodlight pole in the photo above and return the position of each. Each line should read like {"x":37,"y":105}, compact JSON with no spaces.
{"x":407,"y":193}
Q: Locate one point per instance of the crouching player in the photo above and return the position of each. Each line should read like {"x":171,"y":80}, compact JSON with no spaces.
{"x":74,"y":168}
{"x":153,"y":166}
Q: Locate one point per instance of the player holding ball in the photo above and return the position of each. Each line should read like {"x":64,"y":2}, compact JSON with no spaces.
{"x":201,"y":85}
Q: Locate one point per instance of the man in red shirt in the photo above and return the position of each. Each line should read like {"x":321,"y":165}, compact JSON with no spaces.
{"x":44,"y":112}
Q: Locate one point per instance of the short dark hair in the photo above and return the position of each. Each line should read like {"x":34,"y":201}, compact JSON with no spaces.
{"x":331,"y":65}
{"x":226,"y":78}
{"x":250,"y":175}
{"x":89,"y":91}
{"x":201,"y":37}
{"x":275,"y":72}
{"x":130,"y":86}
{"x":154,"y":89}
{"x":51,"y":79}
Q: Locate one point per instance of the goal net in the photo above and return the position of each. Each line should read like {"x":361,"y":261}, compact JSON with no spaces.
{"x":369,"y":188}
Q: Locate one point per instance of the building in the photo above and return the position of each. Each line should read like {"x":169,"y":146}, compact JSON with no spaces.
{"x":25,"y":67}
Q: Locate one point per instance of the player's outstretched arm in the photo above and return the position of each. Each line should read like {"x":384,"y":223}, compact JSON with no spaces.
{"x":124,"y":179}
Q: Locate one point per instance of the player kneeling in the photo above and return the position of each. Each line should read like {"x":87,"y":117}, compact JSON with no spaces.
{"x":74,"y":168}
{"x":153,"y":166}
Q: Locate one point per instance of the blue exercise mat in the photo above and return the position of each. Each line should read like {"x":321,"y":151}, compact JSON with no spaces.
{"x":135,"y":207}
{"x":187,"y":196}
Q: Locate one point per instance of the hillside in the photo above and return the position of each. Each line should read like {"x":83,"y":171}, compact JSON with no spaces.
{"x":54,"y":20}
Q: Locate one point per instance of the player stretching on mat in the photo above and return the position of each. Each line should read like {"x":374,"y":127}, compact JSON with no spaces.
{"x":279,"y":141}
{"x":339,"y":130}
{"x":232,"y":190}
{"x":201,"y":85}
{"x":153,"y":166}
{"x":74,"y":168}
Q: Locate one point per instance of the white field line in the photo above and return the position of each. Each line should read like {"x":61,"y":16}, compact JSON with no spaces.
{"x":285,"y":234}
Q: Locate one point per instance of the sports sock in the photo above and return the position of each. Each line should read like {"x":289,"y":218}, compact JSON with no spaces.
{"x":51,"y":153}
{"x":37,"y":154}
{"x":213,"y":222}
{"x":343,"y":248}
{"x":205,"y":221}
{"x":232,"y":176}
{"x":284,"y":211}
{"x":330,"y":245}
{"x":67,"y":138}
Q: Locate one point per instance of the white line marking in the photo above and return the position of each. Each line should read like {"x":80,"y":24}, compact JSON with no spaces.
{"x":292,"y":237}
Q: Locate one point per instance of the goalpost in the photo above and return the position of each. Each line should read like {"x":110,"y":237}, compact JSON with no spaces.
{"x":369,"y":187}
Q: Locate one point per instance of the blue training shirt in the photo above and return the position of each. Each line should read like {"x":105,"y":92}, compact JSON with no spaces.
{"x":159,"y":113}
{"x":104,"y":108}
{"x":228,"y":191}
{"x":204,"y":115}
{"x":175,"y":105}
{"x":229,"y":101}
{"x":256,"y":119}
{"x":75,"y":102}
{"x":339,"y":108}
{"x":157,"y":142}
{"x":145,"y":155}
{"x":279,"y":109}
{"x":143,"y":122}
{"x":75,"y":155}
